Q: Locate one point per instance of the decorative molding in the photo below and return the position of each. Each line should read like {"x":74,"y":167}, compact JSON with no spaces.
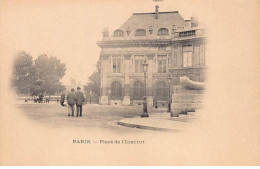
{"x":105,"y":33}
{"x":150,"y":56}
{"x":127,"y":56}
{"x":116,"y":55}
{"x":133,"y":43}
{"x":162,"y":56}
{"x":151,"y":30}
{"x":105,"y":56}
{"x":128,"y":31}
{"x":144,"y":43}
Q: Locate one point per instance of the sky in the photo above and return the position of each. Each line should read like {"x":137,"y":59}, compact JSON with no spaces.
{"x":70,"y":29}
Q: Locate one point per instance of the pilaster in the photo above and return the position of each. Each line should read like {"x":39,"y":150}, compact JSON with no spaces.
{"x":104,"y":98}
{"x":126,"y":99}
{"x":151,"y":66}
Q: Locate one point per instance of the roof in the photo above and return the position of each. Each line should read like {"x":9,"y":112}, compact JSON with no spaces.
{"x":145,"y":20}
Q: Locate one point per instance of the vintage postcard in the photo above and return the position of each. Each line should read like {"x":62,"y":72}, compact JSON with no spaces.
{"x":127,"y":82}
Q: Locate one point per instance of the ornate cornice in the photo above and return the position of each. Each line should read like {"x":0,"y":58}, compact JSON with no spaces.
{"x":143,"y":43}
{"x":133,"y":43}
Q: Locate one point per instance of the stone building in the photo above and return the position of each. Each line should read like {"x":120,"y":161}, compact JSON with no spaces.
{"x":167,"y":42}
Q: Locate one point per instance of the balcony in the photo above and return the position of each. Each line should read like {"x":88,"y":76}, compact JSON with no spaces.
{"x":187,"y":34}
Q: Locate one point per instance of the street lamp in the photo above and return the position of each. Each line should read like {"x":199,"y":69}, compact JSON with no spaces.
{"x":145,"y":112}
{"x":169,"y":99}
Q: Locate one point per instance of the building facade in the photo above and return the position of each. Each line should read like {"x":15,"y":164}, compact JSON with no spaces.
{"x":168,"y":43}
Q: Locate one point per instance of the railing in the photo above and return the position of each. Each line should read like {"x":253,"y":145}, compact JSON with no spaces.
{"x":187,"y":33}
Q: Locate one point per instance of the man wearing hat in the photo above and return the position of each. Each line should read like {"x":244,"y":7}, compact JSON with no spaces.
{"x":80,"y":99}
{"x":71,"y":99}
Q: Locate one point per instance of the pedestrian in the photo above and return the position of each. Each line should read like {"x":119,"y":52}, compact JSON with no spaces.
{"x":47,"y":100}
{"x":62,"y":99}
{"x":41,"y":96}
{"x":80,"y":99}
{"x":71,"y":100}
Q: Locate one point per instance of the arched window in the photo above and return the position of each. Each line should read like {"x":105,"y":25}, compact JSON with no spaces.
{"x":163,"y":31}
{"x":118,"y":33}
{"x":138,"y":90}
{"x":162,"y":91}
{"x":140,"y":32}
{"x":116,"y":90}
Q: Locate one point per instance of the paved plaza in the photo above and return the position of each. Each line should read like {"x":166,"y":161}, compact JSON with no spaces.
{"x":94,"y":117}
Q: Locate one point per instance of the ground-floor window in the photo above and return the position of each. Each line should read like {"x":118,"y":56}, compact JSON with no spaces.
{"x":138,"y":92}
{"x":116,"y":90}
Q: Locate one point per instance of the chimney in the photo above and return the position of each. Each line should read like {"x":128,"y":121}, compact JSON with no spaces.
{"x":156,"y":11}
{"x":188,"y":22}
{"x":194,"y":22}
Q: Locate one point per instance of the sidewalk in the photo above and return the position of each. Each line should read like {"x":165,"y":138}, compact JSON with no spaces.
{"x":160,"y":122}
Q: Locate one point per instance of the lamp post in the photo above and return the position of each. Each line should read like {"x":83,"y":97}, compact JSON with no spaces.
{"x":169,"y":99}
{"x":145,"y":112}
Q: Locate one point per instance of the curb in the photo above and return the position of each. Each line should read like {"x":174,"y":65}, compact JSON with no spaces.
{"x":147,"y":127}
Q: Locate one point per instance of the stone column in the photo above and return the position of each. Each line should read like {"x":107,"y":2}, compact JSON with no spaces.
{"x":126,"y":99}
{"x":150,"y":79}
{"x":179,"y":55}
{"x":104,"y":97}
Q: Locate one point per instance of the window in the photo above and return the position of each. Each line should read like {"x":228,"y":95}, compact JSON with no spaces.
{"x":138,"y":90}
{"x":163,"y":31}
{"x":140,"y":32}
{"x":162,"y":62}
{"x":187,"y":59}
{"x":118,"y":33}
{"x":116,"y":90}
{"x":138,"y":64}
{"x":116,"y":65}
{"x":162,"y":65}
{"x":187,"y":56}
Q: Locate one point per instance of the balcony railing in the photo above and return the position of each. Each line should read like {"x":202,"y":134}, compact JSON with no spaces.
{"x":187,"y":33}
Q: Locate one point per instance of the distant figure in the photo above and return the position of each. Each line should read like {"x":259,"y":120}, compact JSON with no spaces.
{"x":71,"y":99}
{"x":79,"y":101}
{"x":47,"y":100}
{"x":35,"y":100}
{"x":62,"y":99}
{"x":40,"y":100}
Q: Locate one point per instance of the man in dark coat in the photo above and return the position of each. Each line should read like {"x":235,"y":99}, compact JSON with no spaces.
{"x":80,"y":99}
{"x":71,"y":99}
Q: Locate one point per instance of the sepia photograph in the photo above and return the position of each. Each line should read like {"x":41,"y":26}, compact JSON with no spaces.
{"x":129,"y":83}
